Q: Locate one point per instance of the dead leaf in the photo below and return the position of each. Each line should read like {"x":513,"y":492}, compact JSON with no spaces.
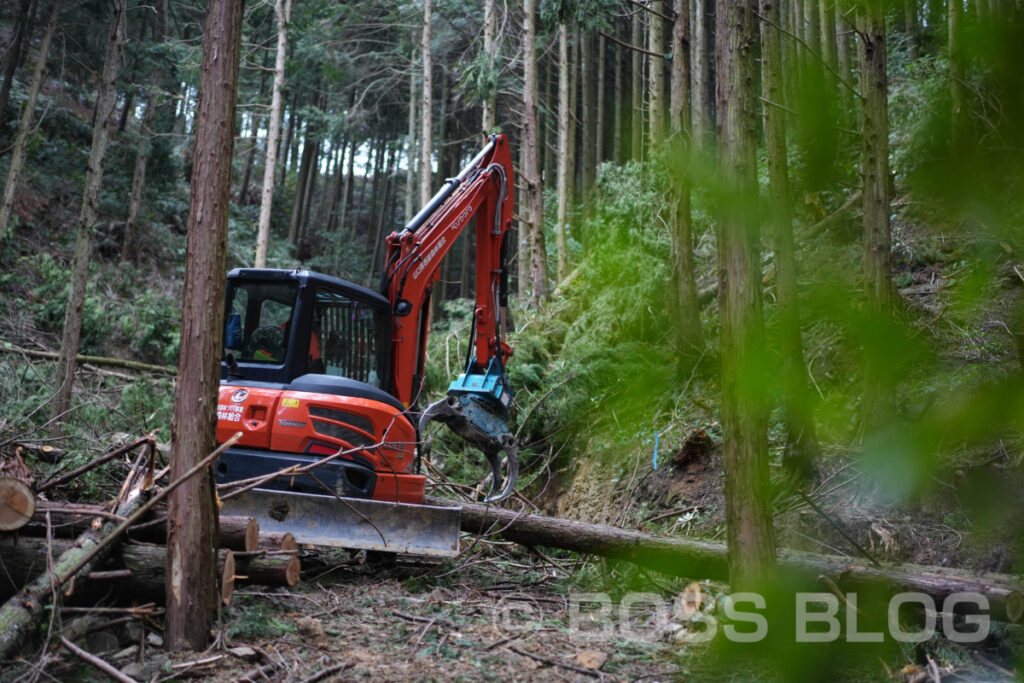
{"x":591,"y":659}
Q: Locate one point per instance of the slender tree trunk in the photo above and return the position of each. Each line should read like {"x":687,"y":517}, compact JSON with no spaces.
{"x":637,"y":117}
{"x":957,"y":98}
{"x":131,"y":227}
{"x":701,"y":70}
{"x":842,"y":30}
{"x":411,"y":148}
{"x":301,"y":182}
{"x":282,"y":12}
{"x":191,"y":510}
{"x":620,"y":118}
{"x":565,"y":151}
{"x":489,"y":119}
{"x":828,"y":34}
{"x":656,"y":72}
{"x":601,"y":117}
{"x":87,"y":217}
{"x":337,"y":184}
{"x":531,"y":158}
{"x":811,"y":29}
{"x":13,"y":56}
{"x":875,"y":168}
{"x":913,"y":27}
{"x":25,"y":129}
{"x":250,"y":158}
{"x":689,"y":337}
{"x":427,"y":124}
{"x":548,"y":129}
{"x":744,"y":408}
{"x":801,"y":442}
{"x":589,"y":132}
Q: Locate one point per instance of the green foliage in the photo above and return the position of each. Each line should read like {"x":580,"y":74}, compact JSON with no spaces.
{"x":255,"y":619}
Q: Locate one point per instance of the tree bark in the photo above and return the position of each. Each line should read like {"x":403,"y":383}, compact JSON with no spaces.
{"x":25,"y":129}
{"x":87,"y":217}
{"x":600,"y":115}
{"x":689,"y":336}
{"x":589,"y":131}
{"x":13,"y":55}
{"x":957,"y":90}
{"x":565,"y":152}
{"x":656,"y":73}
{"x":534,"y":204}
{"x":637,"y":114}
{"x":710,"y":560}
{"x":700,"y":60}
{"x":744,"y":408}
{"x":875,"y":170}
{"x":282,"y":12}
{"x":192,"y":528}
{"x":800,"y":435}
{"x":489,"y":118}
{"x":426,"y":118}
{"x":138,"y":192}
{"x":411,"y":148}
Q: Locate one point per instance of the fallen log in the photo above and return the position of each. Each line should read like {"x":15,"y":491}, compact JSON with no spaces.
{"x":68,"y":520}
{"x":95,"y":360}
{"x":24,"y":560}
{"x":709,"y":560}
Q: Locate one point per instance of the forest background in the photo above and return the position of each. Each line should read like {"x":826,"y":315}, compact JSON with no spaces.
{"x":859,"y":163}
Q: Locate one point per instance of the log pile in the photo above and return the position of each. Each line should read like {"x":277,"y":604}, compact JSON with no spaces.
{"x":93,"y":551}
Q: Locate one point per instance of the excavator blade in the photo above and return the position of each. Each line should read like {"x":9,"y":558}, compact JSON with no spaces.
{"x":353,"y":523}
{"x":471,"y":420}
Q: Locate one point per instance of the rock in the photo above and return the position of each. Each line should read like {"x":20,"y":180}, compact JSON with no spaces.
{"x":591,"y":659}
{"x":127,"y":653}
{"x":99,"y":642}
{"x":243,"y":652}
{"x":154,"y":639}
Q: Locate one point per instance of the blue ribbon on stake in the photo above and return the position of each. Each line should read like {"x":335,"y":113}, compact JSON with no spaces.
{"x":655,"y":450}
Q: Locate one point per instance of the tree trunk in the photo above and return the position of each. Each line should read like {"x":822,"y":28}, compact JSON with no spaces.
{"x":534,"y":204}
{"x":489,"y":119}
{"x":25,"y":128}
{"x":710,"y":560}
{"x":13,"y":55}
{"x":411,"y":148}
{"x":192,"y":519}
{"x":138,"y":193}
{"x":105,"y":100}
{"x":589,"y":132}
{"x":701,"y":69}
{"x":620,"y":114}
{"x":302,"y":182}
{"x":689,"y":337}
{"x":656,"y":72}
{"x":957,"y":98}
{"x":426,"y":118}
{"x":565,"y":151}
{"x":875,"y":169}
{"x":600,"y":114}
{"x":637,"y":115}
{"x":744,"y":408}
{"x":800,"y":437}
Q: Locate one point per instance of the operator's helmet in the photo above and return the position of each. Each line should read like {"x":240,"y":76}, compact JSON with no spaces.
{"x":268,"y":343}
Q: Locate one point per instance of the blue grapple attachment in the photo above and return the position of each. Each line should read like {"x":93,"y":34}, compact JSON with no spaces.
{"x":476,"y":408}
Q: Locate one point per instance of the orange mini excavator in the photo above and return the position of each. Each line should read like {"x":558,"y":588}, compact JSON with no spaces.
{"x":322,"y":378}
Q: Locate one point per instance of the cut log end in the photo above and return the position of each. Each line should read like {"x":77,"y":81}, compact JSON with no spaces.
{"x":275,"y":540}
{"x":17,"y":504}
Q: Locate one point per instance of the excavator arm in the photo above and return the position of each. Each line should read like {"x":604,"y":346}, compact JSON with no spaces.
{"x":477,"y":403}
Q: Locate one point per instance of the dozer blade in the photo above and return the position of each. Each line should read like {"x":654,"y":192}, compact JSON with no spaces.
{"x":353,"y":523}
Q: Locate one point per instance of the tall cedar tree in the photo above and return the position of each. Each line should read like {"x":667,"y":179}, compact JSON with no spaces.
{"x":744,"y":409}
{"x":191,"y":514}
{"x":283,"y":12}
{"x":87,"y":218}
{"x":875,"y":198}
{"x":25,"y":128}
{"x":800,"y":438}
{"x":538,"y":274}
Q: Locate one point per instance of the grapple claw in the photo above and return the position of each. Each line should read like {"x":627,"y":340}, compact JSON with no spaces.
{"x":471,"y":419}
